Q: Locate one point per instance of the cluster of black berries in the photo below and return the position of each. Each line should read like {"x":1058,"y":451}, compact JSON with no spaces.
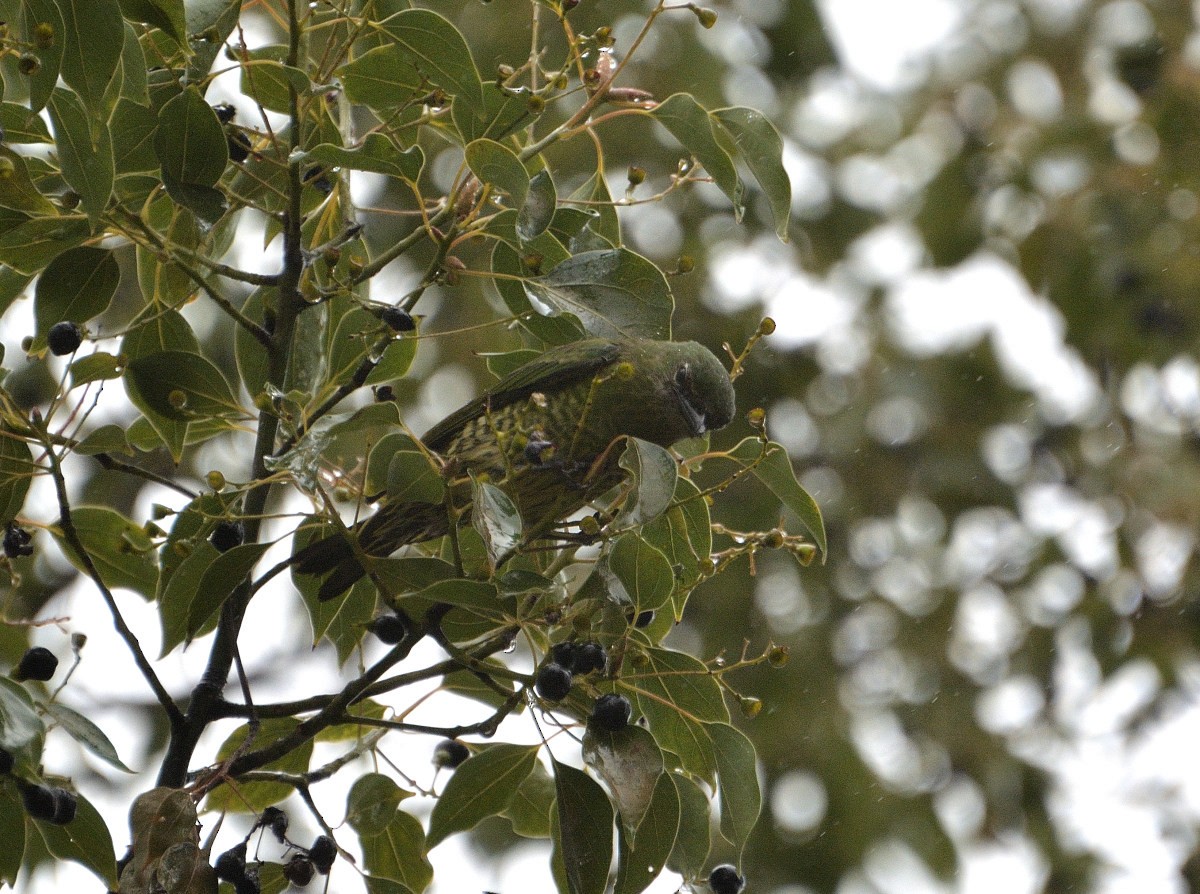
{"x":299,"y":869}
{"x":557,"y":674}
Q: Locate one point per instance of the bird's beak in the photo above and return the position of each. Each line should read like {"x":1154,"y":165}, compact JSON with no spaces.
{"x":696,"y":420}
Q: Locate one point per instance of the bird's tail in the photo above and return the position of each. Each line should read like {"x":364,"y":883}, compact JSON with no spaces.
{"x":392,"y":527}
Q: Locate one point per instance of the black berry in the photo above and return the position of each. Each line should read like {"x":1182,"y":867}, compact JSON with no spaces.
{"x":644,"y":619}
{"x":224,"y":112}
{"x":6,"y":761}
{"x":322,"y":854}
{"x":591,"y":657}
{"x":724,"y":879}
{"x":611,"y":713}
{"x":231,"y":865}
{"x":64,"y":338}
{"x":38,"y":801}
{"x":276,"y":820}
{"x":450,"y":753}
{"x":227,"y":534}
{"x":564,"y":655}
{"x":239,"y":145}
{"x":553,"y":682}
{"x":299,"y":870}
{"x":397,"y":319}
{"x":388,"y":629}
{"x":17,"y":541}
{"x":36,"y":664}
{"x":248,"y":884}
{"x":65,"y":804}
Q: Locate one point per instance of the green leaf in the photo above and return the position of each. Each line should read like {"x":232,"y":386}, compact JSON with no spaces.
{"x":497,"y":118}
{"x":190,"y":142}
{"x":120,"y":550}
{"x":737,"y":781}
{"x":775,"y":471}
{"x":42,"y":83}
{"x":377,"y":153}
{"x":372,"y":802}
{"x":219,"y":580}
{"x":16,"y":473}
{"x":678,"y":695}
{"x":394,"y":853}
{"x":254,"y":797}
{"x":17,"y":189}
{"x":268,"y":80}
{"x":654,"y":473}
{"x":77,"y":285}
{"x":84,"y":840}
{"x":382,"y":78}
{"x":605,"y":225}
{"x":613,"y":292}
{"x":22,"y":125}
{"x":96,"y":367}
{"x":182,"y":386}
{"x":86,"y":734}
{"x":689,"y":857}
{"x":529,"y":810}
{"x":166,"y":15}
{"x":439,"y":52}
{"x":84,"y":151}
{"x":496,"y":519}
{"x":482,"y":786}
{"x":93,"y":36}
{"x":585,"y":830}
{"x":759,"y":144}
{"x":630,"y":763}
{"x":134,"y":127}
{"x":164,"y":330}
{"x":640,"y":859}
{"x":643,"y":571}
{"x":106,"y":439}
{"x":498,"y":166}
{"x":22,"y":731}
{"x":29,"y":246}
{"x":689,"y":123}
{"x":12,"y":833}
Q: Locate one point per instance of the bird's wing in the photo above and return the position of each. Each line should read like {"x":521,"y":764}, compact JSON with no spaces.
{"x":554,"y":370}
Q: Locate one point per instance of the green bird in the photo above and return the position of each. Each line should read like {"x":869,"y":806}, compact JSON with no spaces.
{"x":550,"y":434}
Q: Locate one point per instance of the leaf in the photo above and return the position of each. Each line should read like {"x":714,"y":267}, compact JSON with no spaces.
{"x":16,"y":473}
{"x":585,"y":829}
{"x":529,"y":810}
{"x":85,"y":840}
{"x":254,"y":797}
{"x":775,"y":471}
{"x":22,"y":125}
{"x":166,"y":15}
{"x":678,"y":696}
{"x":482,"y":786}
{"x":654,"y":473}
{"x":162,"y":331}
{"x":92,"y":37}
{"x":96,"y":367}
{"x":376,"y":153}
{"x":382,"y":78}
{"x":17,"y":190}
{"x":106,"y":439}
{"x":84,"y":151}
{"x":77,"y":285}
{"x":86,"y":734}
{"x":630,"y":763}
{"x":439,"y":51}
{"x":641,"y":859}
{"x":22,"y":731}
{"x":613,"y":292}
{"x":398,"y":467}
{"x":372,"y":802}
{"x":496,"y":519}
{"x":689,"y":123}
{"x":12,"y":833}
{"x":134,"y":127}
{"x":120,"y":550}
{"x":737,"y":781}
{"x":690,"y":854}
{"x":219,"y":580}
{"x":269,"y":81}
{"x":759,"y":144}
{"x":643,"y":571}
{"x":396,"y":855}
{"x":29,"y":246}
{"x":538,"y":209}
{"x":498,"y":166}
{"x":180,"y":385}
{"x":190,"y":142}
{"x":42,"y":82}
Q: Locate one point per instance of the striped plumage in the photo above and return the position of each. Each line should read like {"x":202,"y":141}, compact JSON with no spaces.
{"x":550,"y":435}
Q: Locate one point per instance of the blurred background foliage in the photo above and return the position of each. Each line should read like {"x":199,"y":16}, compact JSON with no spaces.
{"x":986,"y":370}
